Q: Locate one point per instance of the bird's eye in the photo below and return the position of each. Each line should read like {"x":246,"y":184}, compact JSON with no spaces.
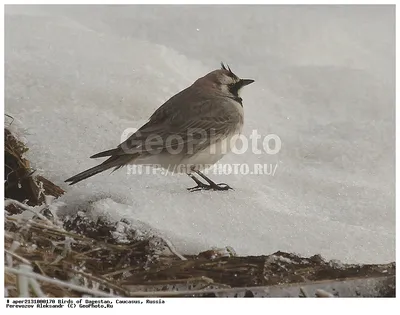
{"x":233,"y":88}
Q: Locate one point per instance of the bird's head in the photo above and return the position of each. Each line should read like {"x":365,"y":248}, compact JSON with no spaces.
{"x":225,"y":82}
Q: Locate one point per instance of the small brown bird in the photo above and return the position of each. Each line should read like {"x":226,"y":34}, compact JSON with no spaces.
{"x":191,"y":131}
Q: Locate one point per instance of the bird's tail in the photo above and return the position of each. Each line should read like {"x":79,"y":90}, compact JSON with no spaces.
{"x":114,"y":161}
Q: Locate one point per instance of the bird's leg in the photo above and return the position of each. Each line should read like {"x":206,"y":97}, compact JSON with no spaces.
{"x":199,"y":186}
{"x":212,"y":185}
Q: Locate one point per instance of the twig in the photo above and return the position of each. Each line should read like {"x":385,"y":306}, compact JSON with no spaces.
{"x":14,"y":246}
{"x":25,"y":261}
{"x":71,"y":286}
{"x":8,"y":202}
{"x":53,"y":229}
{"x":87,"y":252}
{"x":101,"y":281}
{"x":173,"y":249}
{"x":303,"y":292}
{"x":23,"y":281}
{"x":201,"y":292}
{"x":9,"y":116}
{"x":114,"y":273}
{"x":39,"y":267}
{"x":66,"y":250}
{"x":36,"y":288}
{"x":174,"y":281}
{"x":323,"y":293}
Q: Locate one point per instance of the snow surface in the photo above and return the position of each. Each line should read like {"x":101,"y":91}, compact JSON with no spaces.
{"x":77,"y":77}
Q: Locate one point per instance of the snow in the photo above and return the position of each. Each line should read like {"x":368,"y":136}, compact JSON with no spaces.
{"x":77,"y":77}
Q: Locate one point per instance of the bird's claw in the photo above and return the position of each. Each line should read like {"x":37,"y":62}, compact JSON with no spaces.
{"x":221,"y":186}
{"x":199,"y":187}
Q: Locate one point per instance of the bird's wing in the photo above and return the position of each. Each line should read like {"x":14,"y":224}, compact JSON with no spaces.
{"x":179,"y":118}
{"x":196,"y":123}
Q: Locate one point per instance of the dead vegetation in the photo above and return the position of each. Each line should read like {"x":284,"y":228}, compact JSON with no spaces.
{"x":46,"y":256}
{"x":19,"y":183}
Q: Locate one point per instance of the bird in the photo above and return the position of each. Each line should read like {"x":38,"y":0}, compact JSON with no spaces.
{"x":190,"y":132}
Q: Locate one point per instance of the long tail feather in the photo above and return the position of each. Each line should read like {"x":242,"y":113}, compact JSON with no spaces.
{"x":104,"y":153}
{"x":114,"y":161}
{"x":85,"y":174}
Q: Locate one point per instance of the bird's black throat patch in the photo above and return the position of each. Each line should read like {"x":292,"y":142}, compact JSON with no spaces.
{"x":234,"y":89}
{"x":239,"y":100}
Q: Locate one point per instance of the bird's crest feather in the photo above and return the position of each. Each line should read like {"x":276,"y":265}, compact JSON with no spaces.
{"x":226,"y":67}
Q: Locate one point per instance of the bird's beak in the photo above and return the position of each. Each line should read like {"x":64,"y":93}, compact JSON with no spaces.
{"x":245,"y":82}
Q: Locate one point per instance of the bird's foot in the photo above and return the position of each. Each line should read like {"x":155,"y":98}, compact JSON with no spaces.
{"x":199,"y":186}
{"x":221,"y":186}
